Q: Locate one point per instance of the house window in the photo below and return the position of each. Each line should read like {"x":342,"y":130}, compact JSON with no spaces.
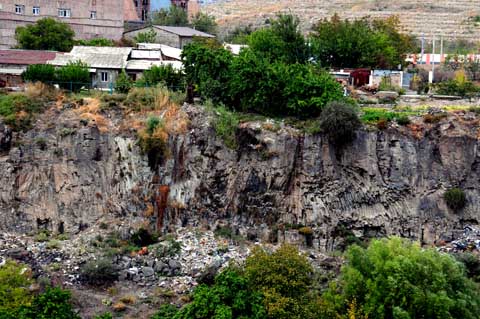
{"x":19,"y":9}
{"x":93,"y":14}
{"x":64,"y":13}
{"x":36,"y":11}
{"x":104,"y":76}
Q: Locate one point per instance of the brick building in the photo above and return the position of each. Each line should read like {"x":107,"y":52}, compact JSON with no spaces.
{"x":143,"y":9}
{"x":89,"y":19}
{"x":191,"y":6}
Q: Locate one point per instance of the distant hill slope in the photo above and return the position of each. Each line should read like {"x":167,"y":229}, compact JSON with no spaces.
{"x":454,"y":19}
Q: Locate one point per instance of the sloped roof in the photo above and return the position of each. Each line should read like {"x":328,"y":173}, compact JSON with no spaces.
{"x":184,"y":31}
{"x":96,"y":57}
{"x":26,"y":57}
{"x":166,"y":50}
{"x":142,"y":65}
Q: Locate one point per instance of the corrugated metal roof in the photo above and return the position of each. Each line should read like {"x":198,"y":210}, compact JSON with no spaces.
{"x":184,"y":31}
{"x":96,"y":57}
{"x":142,"y":65}
{"x":146,"y":54}
{"x":166,"y":50}
{"x":26,"y":57}
{"x":11,"y":71}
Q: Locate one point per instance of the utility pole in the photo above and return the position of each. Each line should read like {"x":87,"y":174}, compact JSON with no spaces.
{"x":433,"y":59}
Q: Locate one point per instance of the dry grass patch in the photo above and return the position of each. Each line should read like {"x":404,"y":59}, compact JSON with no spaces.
{"x":91,"y":112}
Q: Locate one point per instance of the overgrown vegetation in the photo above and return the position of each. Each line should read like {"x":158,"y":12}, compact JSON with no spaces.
{"x":39,"y":73}
{"x":225,"y":125}
{"x":455,"y":198}
{"x":373,"y":43}
{"x":165,"y":75}
{"x":395,"y":278}
{"x":123,"y":83}
{"x":339,"y":121}
{"x":17,"y":301}
{"x":99,"y":272}
{"x":146,"y":37}
{"x":285,"y":82}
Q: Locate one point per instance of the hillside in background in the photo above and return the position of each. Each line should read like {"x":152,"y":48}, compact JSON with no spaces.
{"x":453,"y":19}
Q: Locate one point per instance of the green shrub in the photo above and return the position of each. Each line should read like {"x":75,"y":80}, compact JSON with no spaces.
{"x":230,"y":297}
{"x":53,"y":303}
{"x":18,"y":110}
{"x":284,"y":278}
{"x":339,"y":121}
{"x":143,"y":238}
{"x":395,"y":278}
{"x":455,"y":198}
{"x":14,"y":283}
{"x":225,"y":125}
{"x":146,"y":37}
{"x":166,"y":75}
{"x":99,"y":272}
{"x":471,"y":263}
{"x":106,"y":315}
{"x":166,"y":311}
{"x":124,"y":83}
{"x":403,"y":120}
{"x":152,"y":123}
{"x":458,"y":88}
{"x":39,"y":73}
{"x":73,"y":76}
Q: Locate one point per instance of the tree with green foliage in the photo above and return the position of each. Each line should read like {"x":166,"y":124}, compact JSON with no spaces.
{"x":339,"y":121}
{"x":39,"y":73}
{"x":204,"y":22}
{"x":230,"y":297}
{"x":14,"y":288}
{"x":207,"y":66}
{"x":45,"y":34}
{"x":239,"y":35}
{"x":173,"y":16}
{"x":166,"y":75}
{"x":124,"y":83}
{"x":53,"y":303}
{"x":284,"y":278}
{"x":146,"y":37}
{"x":73,"y":76}
{"x":282,"y":41}
{"x":395,"y":278}
{"x":360,"y":43}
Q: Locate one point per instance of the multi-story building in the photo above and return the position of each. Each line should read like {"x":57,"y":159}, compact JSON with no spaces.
{"x":143,"y":9}
{"x":89,"y":19}
{"x":191,"y":6}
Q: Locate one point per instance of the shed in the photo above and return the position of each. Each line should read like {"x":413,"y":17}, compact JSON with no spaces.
{"x":105,"y":63}
{"x":176,"y":37}
{"x":14,"y":62}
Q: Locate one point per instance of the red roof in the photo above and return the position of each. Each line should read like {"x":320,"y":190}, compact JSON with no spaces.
{"x":26,"y":57}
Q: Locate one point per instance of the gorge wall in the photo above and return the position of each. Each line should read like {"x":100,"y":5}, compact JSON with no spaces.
{"x":386,"y":182}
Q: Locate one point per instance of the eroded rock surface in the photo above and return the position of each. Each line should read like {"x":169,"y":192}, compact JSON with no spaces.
{"x":67,"y":175}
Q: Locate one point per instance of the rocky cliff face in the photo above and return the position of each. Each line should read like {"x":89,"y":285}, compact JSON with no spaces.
{"x":65,"y":176}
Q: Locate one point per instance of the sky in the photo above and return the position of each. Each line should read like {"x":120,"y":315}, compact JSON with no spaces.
{"x":159,"y":4}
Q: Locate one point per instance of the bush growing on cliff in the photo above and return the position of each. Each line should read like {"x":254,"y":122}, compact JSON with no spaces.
{"x":455,"y":198}
{"x":14,"y":283}
{"x":339,"y":121}
{"x":18,"y":110}
{"x":99,"y":272}
{"x":395,"y":278}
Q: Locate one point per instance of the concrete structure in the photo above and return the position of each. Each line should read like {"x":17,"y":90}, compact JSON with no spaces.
{"x":176,"y":37}
{"x":14,"y":62}
{"x":89,"y":19}
{"x":105,"y":63}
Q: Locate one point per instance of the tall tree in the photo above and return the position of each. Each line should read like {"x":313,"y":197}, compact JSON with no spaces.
{"x":46,"y":34}
{"x":173,"y":16}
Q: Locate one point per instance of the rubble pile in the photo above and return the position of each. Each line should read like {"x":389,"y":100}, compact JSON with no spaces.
{"x":468,"y":240}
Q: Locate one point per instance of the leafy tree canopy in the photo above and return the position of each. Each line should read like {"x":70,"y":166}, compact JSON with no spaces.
{"x":360,"y":43}
{"x":204,"y":22}
{"x":395,"y":278}
{"x":45,"y":34}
